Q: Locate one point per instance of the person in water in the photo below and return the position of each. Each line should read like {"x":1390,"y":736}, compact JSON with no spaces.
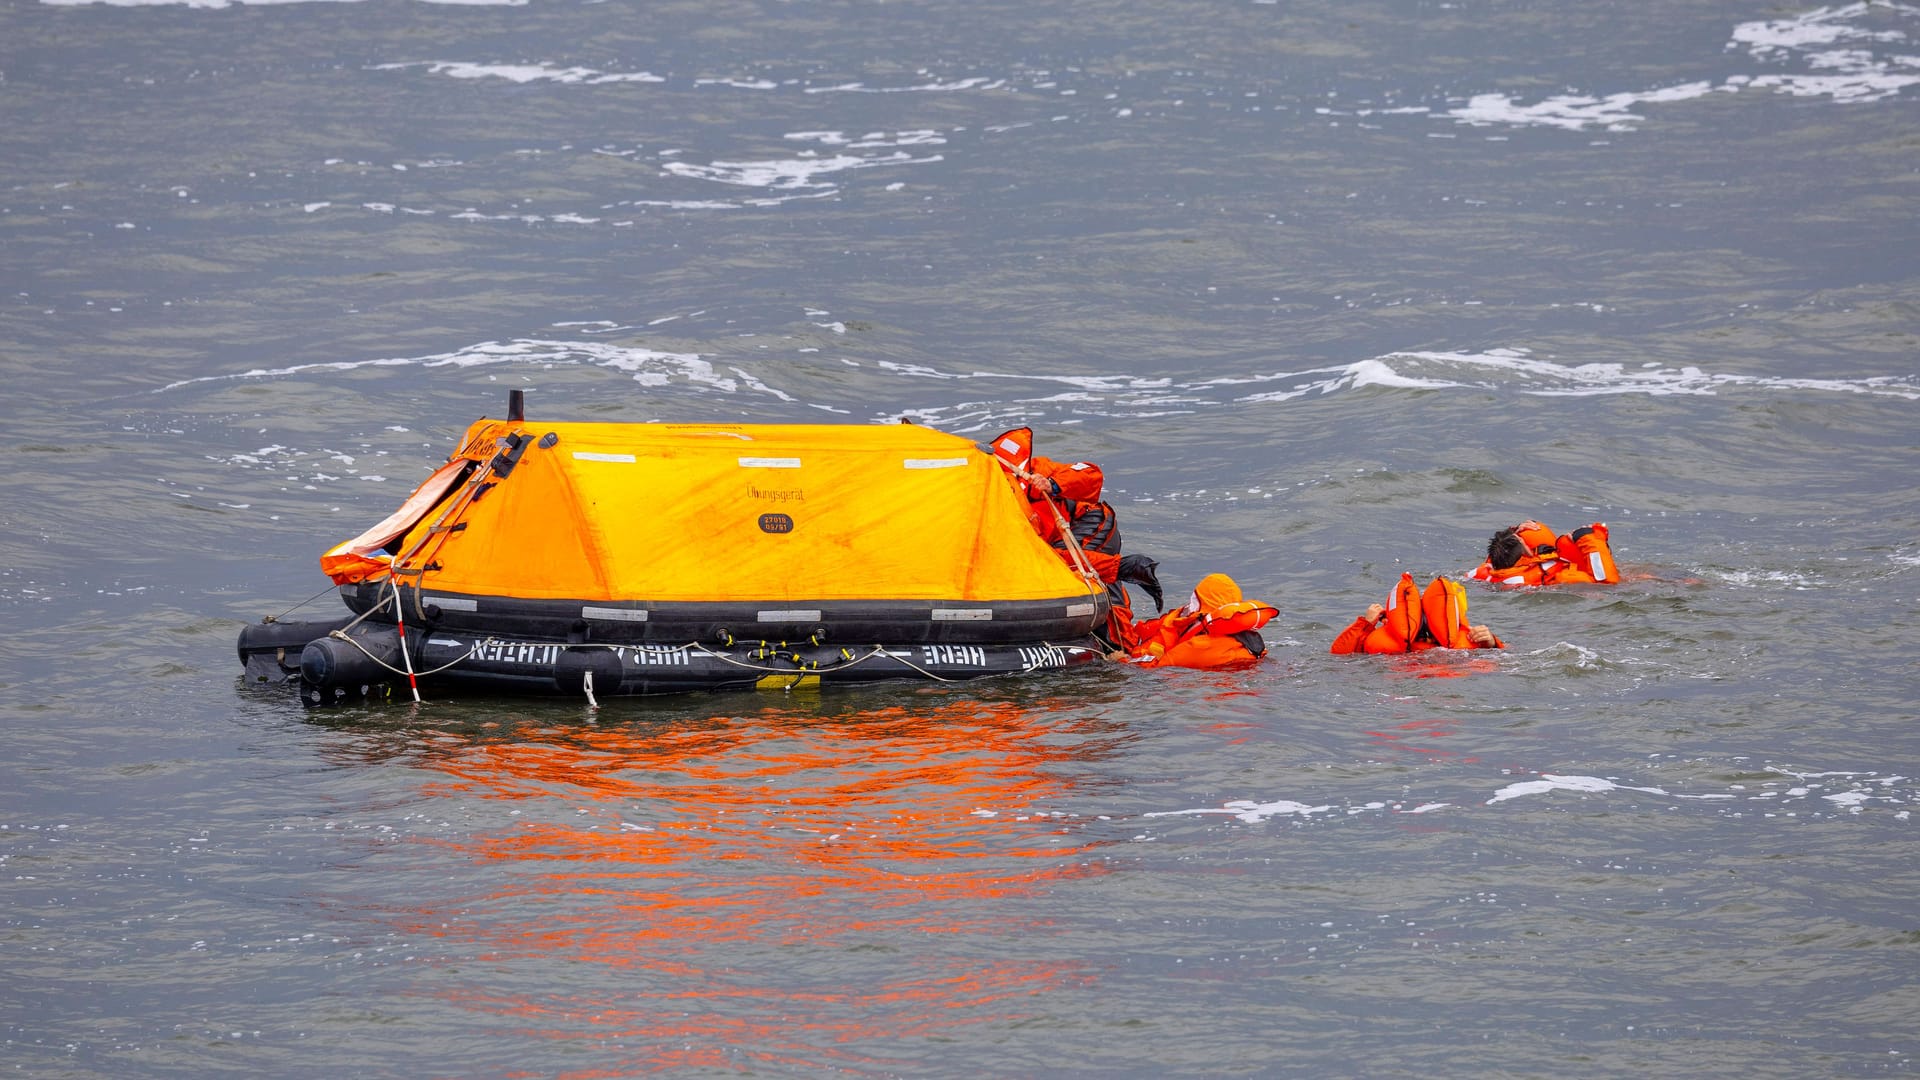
{"x":1413,"y":620}
{"x":1216,"y":628}
{"x":1074,"y":489}
{"x":1530,"y":554}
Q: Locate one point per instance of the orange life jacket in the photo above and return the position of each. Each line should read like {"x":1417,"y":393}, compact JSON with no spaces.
{"x":1221,"y":632}
{"x":1580,"y":557}
{"x":1014,"y":448}
{"x":1075,"y":481}
{"x":1414,"y":621}
{"x":1074,"y":488}
{"x":1121,"y":633}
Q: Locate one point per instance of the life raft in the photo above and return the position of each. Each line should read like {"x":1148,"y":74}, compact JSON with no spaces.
{"x":606,"y":559}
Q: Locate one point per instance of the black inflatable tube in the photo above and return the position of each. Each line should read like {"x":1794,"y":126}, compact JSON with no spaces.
{"x":372,"y":663}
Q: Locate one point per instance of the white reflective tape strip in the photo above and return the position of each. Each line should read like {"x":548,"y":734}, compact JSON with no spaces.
{"x":450,"y":603}
{"x":769,"y":462}
{"x":1599,"y":567}
{"x":613,"y":614}
{"x":976,"y":614}
{"x":445,"y":641}
{"x":616,"y":459}
{"x":1517,"y":579}
{"x":790,"y":616}
{"x":935,"y":463}
{"x":1011,"y":446}
{"x":1079,"y":609}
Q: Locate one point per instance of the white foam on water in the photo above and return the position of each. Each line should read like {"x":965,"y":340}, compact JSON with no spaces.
{"x":923,"y":137}
{"x":648,"y":367}
{"x":1850,"y":54}
{"x":1107,"y":383}
{"x":1766,"y":579}
{"x":1772,"y":798}
{"x":1380,"y":373}
{"x":1549,"y":782}
{"x":977,"y":83}
{"x":789,"y":173}
{"x":1006,"y":398}
{"x":1845,"y":46}
{"x":1516,"y":370}
{"x":739,"y":84}
{"x":1249,"y":811}
{"x":1572,"y":112}
{"x":522,"y":73}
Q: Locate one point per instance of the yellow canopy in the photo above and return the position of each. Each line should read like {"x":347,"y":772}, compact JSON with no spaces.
{"x":705,"y":512}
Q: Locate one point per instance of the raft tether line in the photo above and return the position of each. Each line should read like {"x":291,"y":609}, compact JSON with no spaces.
{"x":400,"y":618}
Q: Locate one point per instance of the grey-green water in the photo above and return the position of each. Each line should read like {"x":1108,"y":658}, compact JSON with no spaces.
{"x":1330,"y":290}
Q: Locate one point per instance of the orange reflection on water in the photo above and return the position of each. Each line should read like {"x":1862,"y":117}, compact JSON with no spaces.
{"x":1413,"y":737}
{"x":772,"y":889}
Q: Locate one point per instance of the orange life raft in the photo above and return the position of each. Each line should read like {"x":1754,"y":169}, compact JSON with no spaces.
{"x":612,"y":558}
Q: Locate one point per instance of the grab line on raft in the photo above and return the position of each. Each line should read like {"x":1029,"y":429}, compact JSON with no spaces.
{"x":455,"y":662}
{"x":296,"y":607}
{"x":854,"y":661}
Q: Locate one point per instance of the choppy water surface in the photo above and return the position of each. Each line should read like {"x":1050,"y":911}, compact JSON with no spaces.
{"x":1331,"y":291}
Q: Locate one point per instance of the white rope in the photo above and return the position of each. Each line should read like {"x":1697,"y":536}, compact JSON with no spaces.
{"x":398,"y":671}
{"x":725,"y":659}
{"x":695,"y":646}
{"x":400,"y":617}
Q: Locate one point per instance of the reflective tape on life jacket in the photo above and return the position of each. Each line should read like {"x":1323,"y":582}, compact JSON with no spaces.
{"x":1532,"y":570}
{"x":1014,"y":448}
{"x":1401,"y":624}
{"x":1232,"y":619}
{"x":1592,"y":550}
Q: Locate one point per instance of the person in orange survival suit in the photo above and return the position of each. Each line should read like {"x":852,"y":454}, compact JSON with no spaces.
{"x":1414,"y":621}
{"x":1530,"y":554}
{"x":1215,"y":629}
{"x":1074,"y":488}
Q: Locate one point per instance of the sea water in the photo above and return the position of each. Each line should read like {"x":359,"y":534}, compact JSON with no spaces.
{"x":1330,"y":291}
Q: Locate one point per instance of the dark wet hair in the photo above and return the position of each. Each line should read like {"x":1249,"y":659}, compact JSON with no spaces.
{"x":1506,"y":549}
